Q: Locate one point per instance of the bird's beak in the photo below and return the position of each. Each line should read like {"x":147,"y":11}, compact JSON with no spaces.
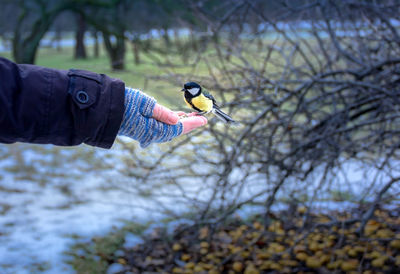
{"x":183,"y":89}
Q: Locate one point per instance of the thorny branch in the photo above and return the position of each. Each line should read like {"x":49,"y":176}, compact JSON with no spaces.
{"x":315,"y":89}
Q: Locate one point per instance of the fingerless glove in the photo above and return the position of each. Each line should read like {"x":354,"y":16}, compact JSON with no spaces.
{"x":138,"y":124}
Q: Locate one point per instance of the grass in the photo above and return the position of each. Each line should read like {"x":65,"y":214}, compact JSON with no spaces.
{"x":94,"y":256}
{"x":134,"y":75}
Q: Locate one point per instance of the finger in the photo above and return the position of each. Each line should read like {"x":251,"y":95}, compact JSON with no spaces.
{"x":192,"y":114}
{"x":191,"y":123}
{"x":165,"y":115}
{"x":180,"y":113}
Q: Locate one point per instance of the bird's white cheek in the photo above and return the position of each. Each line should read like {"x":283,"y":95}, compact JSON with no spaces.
{"x":194,"y":91}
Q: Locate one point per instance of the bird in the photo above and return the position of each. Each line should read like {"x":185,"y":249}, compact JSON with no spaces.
{"x":203,"y":102}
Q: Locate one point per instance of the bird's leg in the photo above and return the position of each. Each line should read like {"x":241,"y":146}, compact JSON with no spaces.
{"x":201,"y":113}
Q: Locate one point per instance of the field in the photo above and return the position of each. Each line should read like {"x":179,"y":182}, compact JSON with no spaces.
{"x":135,"y":76}
{"x":315,"y":209}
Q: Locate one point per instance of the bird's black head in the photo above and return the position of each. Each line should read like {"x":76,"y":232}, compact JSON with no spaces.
{"x":193,"y":88}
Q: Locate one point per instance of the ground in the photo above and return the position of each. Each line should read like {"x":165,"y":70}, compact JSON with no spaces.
{"x":251,"y":247}
{"x":59,"y":202}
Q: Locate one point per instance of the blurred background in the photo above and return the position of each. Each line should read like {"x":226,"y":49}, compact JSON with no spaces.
{"x":307,"y":180}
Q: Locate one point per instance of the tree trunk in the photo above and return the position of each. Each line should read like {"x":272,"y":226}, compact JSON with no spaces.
{"x":24,"y":50}
{"x":96,"y":49}
{"x":80,"y":49}
{"x":166,"y":38}
{"x":25,"y":47}
{"x":177,"y":40}
{"x":116,"y":51}
{"x":136,"y":49}
{"x":147,"y":44}
{"x":193,"y":40}
{"x":57,"y":39}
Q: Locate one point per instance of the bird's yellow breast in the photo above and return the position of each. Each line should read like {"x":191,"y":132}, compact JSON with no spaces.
{"x":201,"y":102}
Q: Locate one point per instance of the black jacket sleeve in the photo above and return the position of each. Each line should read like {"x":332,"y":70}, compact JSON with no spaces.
{"x":48,"y":106}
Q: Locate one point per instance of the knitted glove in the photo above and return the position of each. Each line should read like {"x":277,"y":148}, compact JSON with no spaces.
{"x":138,"y":124}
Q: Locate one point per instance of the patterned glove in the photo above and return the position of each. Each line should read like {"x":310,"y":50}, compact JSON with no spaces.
{"x":138,"y":124}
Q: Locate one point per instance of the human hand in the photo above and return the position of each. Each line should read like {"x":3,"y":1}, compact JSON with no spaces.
{"x":148,"y":122}
{"x":190,"y":121}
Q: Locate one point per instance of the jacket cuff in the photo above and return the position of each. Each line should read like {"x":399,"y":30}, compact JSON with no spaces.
{"x":98,"y":107}
{"x":115,"y":115}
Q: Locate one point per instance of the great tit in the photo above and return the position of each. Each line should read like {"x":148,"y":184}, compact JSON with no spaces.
{"x":202,"y":101}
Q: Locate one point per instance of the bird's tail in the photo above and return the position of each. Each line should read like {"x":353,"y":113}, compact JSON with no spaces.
{"x":222,"y":116}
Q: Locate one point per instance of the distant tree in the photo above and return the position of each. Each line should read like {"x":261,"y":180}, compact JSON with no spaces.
{"x":37,"y":16}
{"x":150,"y":17}
{"x":105,"y":17}
{"x":136,"y":48}
{"x":96,"y":47}
{"x":7,"y":16}
{"x":34,"y":20}
{"x":115,"y":46}
{"x":57,"y":39}
{"x":80,"y":49}
{"x":60,"y":26}
{"x":114,"y":37}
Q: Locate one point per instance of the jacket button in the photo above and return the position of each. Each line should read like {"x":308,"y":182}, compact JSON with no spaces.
{"x":82,"y":97}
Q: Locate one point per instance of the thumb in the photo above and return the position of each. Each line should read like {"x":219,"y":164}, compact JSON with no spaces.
{"x":165,"y":115}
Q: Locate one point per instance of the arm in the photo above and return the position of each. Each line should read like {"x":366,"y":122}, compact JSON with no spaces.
{"x":148,"y":122}
{"x":41,"y":105}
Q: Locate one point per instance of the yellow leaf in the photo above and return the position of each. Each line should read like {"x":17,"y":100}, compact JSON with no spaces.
{"x":275,"y":266}
{"x":263,"y":255}
{"x":332,"y":237}
{"x":291,"y":263}
{"x":352,"y":252}
{"x":340,"y":253}
{"x":384,"y":233}
{"x":350,"y":265}
{"x":204,"y":245}
{"x":203,"y":233}
{"x":210,"y":256}
{"x":302,"y":210}
{"x":334,"y":265}
{"x":266,"y":265}
{"x":395,"y":244}
{"x":198,"y":268}
{"x":325,"y":258}
{"x":121,"y":261}
{"x":237,"y":266}
{"x":373,"y":255}
{"x":379,"y":262}
{"x":190,"y":265}
{"x":176,"y":247}
{"x":397,"y":262}
{"x":301,"y":256}
{"x":285,"y":256}
{"x":299,"y":248}
{"x":177,"y":270}
{"x":185,"y":257}
{"x":203,"y":251}
{"x":251,"y":269}
{"x":314,"y":246}
{"x":258,"y":225}
{"x":313,"y":262}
